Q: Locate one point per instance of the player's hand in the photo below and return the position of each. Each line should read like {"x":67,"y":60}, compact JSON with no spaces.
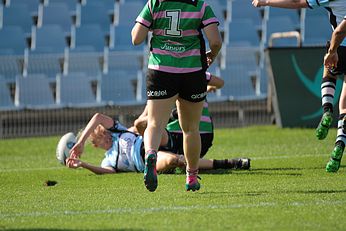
{"x":77,"y":150}
{"x":211,"y":89}
{"x":259,"y":3}
{"x":331,"y":60}
{"x":210,"y":58}
{"x":73,"y":163}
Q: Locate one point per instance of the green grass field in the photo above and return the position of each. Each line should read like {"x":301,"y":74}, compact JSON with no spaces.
{"x":287,"y":188}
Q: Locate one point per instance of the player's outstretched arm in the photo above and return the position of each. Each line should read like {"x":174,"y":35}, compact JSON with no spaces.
{"x":291,"y":4}
{"x":97,"y":119}
{"x":77,"y":163}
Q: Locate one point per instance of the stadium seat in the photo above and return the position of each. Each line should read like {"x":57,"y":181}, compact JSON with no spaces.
{"x":89,"y":37}
{"x":13,"y":41}
{"x":57,"y":14}
{"x":33,"y":92}
{"x":32,"y":5}
{"x":108,"y":4}
{"x":74,"y":90}
{"x":18,"y":15}
{"x":119,"y":88}
{"x":10,"y":66}
{"x":238,"y":84}
{"x":5,"y":95}
{"x":317,"y":30}
{"x":84,"y":62}
{"x":242,"y":56}
{"x":49,"y":39}
{"x":280,"y":12}
{"x":124,"y":60}
{"x":49,"y":64}
{"x":242,"y":9}
{"x":243,"y":32}
{"x":96,"y":13}
{"x":70,"y":4}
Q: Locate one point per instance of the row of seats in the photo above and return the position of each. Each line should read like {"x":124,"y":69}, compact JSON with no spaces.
{"x":36,"y":91}
{"x":74,"y":90}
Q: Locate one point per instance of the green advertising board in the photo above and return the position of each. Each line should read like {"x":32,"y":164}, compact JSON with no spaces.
{"x":295,"y":76}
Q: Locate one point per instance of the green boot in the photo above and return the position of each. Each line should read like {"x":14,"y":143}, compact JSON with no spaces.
{"x":324,"y":125}
{"x":335,"y":159}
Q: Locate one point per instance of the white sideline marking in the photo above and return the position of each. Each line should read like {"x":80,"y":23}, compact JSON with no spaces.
{"x":252,"y":158}
{"x":163,"y":209}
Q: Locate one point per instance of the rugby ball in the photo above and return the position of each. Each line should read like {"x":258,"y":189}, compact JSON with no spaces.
{"x":64,"y":146}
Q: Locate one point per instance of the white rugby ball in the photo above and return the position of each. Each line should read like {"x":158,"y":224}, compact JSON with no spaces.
{"x":65,"y":144}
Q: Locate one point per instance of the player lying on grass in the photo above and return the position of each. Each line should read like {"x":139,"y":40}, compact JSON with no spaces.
{"x":125,"y":150}
{"x":171,"y":143}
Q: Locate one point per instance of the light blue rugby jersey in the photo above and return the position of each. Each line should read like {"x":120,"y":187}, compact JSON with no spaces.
{"x":125,"y":153}
{"x":336,"y":9}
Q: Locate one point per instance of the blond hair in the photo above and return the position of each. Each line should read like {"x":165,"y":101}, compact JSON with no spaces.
{"x":99,"y":133}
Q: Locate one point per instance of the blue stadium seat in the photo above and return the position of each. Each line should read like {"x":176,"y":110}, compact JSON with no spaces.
{"x":280,"y":12}
{"x":238,"y":84}
{"x":243,"y":32}
{"x":84,"y":62}
{"x":248,"y":56}
{"x":119,"y":88}
{"x":108,"y":4}
{"x":49,"y":64}
{"x":18,"y":15}
{"x":71,"y":4}
{"x":34,"y":91}
{"x":57,"y":14}
{"x":49,"y":39}
{"x":244,"y":9}
{"x":32,"y":5}
{"x":124,"y":60}
{"x":317,"y":30}
{"x":10,"y":66}
{"x":74,"y":90}
{"x":96,"y":13}
{"x":13,"y":41}
{"x":89,"y":37}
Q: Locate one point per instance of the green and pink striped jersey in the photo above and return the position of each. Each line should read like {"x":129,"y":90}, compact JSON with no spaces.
{"x":177,"y":44}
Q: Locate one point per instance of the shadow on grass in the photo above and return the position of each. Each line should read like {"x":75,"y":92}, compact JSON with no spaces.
{"x":256,"y":171}
{"x":319,"y":191}
{"x":271,"y":172}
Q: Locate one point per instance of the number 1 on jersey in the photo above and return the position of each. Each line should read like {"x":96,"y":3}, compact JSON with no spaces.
{"x":173,"y":29}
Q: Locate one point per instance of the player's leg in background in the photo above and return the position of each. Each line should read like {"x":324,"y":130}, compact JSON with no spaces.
{"x":327,"y":93}
{"x":335,"y":158}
